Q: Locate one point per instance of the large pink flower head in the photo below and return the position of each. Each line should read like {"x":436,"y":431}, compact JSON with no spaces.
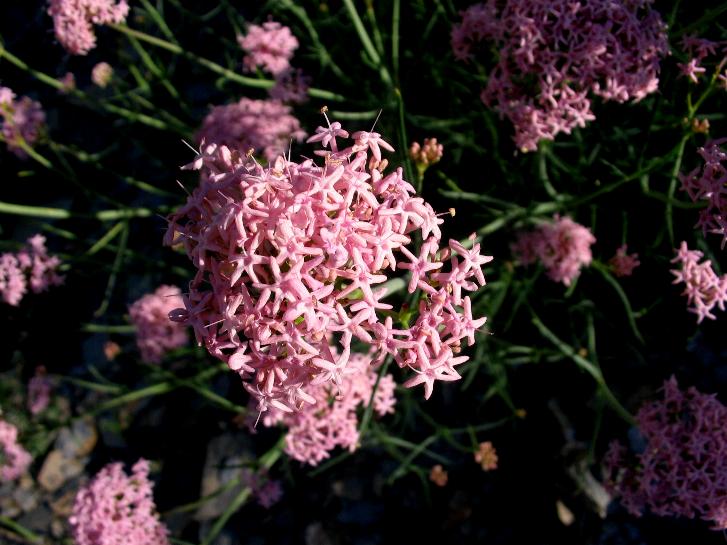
{"x":265,"y":126}
{"x":553,"y":54}
{"x":562,"y":246}
{"x":73,"y":21}
{"x":32,"y":266}
{"x":269,"y":46}
{"x":702,"y":286}
{"x":14,"y":459}
{"x":23,"y":121}
{"x":291,"y":255}
{"x":118,"y":509}
{"x":709,"y":183}
{"x":156,"y":334}
{"x":682,"y":470}
{"x":331,"y":422}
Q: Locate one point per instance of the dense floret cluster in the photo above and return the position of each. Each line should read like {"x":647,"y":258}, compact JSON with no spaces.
{"x":552,"y":55}
{"x":73,"y":21}
{"x":265,"y":126}
{"x":31,"y":266}
{"x":22,"y":121}
{"x":682,"y":471}
{"x":291,"y":254}
{"x":14,"y":459}
{"x":703,"y":287}
{"x":561,"y":246}
{"x":623,"y":263}
{"x":118,"y":509}
{"x":156,"y":334}
{"x":269,"y":46}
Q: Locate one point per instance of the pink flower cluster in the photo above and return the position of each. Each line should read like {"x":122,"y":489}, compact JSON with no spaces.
{"x":289,"y":254}
{"x":14,"y":459}
{"x":682,"y":471}
{"x":31,"y":265}
{"x":23,"y":121}
{"x":39,"y":390}
{"x":709,"y":183}
{"x":73,"y":21}
{"x":101,"y":74}
{"x":156,"y":334}
{"x":331,"y":421}
{"x":553,"y":54}
{"x":623,"y":264}
{"x":117,"y":509}
{"x":426,"y":155}
{"x":562,"y":246}
{"x":698,"y":49}
{"x":702,"y":286}
{"x":270,"y":46}
{"x":266,"y":491}
{"x":265,"y":126}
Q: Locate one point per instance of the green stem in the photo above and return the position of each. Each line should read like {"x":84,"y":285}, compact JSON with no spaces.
{"x":366,"y":41}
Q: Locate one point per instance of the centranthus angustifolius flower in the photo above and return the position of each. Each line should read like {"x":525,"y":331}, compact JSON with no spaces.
{"x":709,"y":183}
{"x":318,"y":428}
{"x":682,"y":470}
{"x":23,"y":120}
{"x":265,"y":126}
{"x":31,"y":266}
{"x":562,"y":246}
{"x":156,"y":334}
{"x":270,"y":46}
{"x":14,"y":459}
{"x":703,"y":287}
{"x":292,"y":261}
{"x":118,"y":509}
{"x":553,"y":54}
{"x":73,"y":21}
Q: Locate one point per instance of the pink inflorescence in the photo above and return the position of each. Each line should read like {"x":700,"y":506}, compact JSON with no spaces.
{"x":682,"y":471}
{"x":101,"y":74}
{"x":30,"y":266}
{"x":623,"y":263}
{"x":698,"y":51}
{"x":329,"y":420}
{"x":553,"y":54}
{"x":117,"y":509}
{"x":156,"y":334}
{"x":14,"y":459}
{"x":291,"y":86}
{"x":291,"y":254}
{"x":39,"y":390}
{"x":269,"y":46}
{"x":73,"y":21}
{"x":562,"y":246}
{"x":702,"y":286}
{"x":23,"y":120}
{"x":425,"y":155}
{"x":709,"y":183}
{"x":261,"y":125}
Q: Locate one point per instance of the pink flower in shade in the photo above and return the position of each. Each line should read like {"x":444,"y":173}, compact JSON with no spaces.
{"x":692,"y":69}
{"x":102,"y":74}
{"x":623,"y":264}
{"x":73,"y":21}
{"x":156,"y":334}
{"x":330,"y":420}
{"x":266,"y":491}
{"x":702,"y":286}
{"x":562,"y":246}
{"x":39,"y":390}
{"x":698,"y":50}
{"x":69,"y":83}
{"x":709,"y":183}
{"x":23,"y":121}
{"x":30,"y":267}
{"x":269,"y":46}
{"x":290,"y":254}
{"x":118,"y":509}
{"x":14,"y":459}
{"x":291,"y":86}
{"x":552,"y":55}
{"x":682,"y":471}
{"x":266,"y":126}
{"x":13,"y":284}
{"x":486,"y":456}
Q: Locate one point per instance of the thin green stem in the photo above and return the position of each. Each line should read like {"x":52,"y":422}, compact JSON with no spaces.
{"x":366,"y":41}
